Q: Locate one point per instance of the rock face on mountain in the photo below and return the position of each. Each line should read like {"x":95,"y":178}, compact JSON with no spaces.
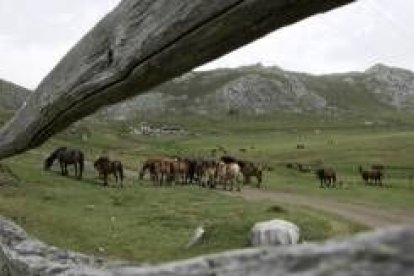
{"x":12,"y":96}
{"x":257,"y":89}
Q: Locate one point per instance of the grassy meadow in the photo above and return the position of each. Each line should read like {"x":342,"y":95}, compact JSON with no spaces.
{"x":149,"y":224}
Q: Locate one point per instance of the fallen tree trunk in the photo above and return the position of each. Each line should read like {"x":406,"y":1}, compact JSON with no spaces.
{"x":137,"y":46}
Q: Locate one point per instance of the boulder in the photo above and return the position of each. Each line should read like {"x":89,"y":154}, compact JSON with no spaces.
{"x":274,"y":232}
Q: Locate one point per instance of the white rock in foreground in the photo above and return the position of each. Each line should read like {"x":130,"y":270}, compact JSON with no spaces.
{"x":274,"y":232}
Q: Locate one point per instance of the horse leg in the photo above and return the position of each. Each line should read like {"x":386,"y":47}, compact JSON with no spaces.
{"x":62,"y":169}
{"x":259,"y":181}
{"x":105,"y":175}
{"x":76,"y":169}
{"x":116,"y":177}
{"x":239,"y":184}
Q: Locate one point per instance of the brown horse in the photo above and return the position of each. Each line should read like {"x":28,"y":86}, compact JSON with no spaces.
{"x":181,"y":170}
{"x":148,"y":165}
{"x":249,"y":170}
{"x":327,"y":177}
{"x":228,"y":174}
{"x":66,"y":157}
{"x":371,"y":176}
{"x":105,"y":167}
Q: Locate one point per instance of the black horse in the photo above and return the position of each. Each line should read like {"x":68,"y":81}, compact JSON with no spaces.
{"x":327,"y":177}
{"x":66,"y":157}
{"x":105,"y":167}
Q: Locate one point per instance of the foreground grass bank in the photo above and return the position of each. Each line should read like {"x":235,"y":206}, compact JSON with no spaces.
{"x":142,"y":223}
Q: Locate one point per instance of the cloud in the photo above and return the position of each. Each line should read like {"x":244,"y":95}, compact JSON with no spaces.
{"x":35,"y":35}
{"x":348,"y":39}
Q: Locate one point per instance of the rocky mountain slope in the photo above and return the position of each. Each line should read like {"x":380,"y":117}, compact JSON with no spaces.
{"x":12,"y":96}
{"x":257,"y":89}
{"x":254,"y":90}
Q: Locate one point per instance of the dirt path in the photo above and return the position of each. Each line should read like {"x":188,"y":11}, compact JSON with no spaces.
{"x":370,"y":216}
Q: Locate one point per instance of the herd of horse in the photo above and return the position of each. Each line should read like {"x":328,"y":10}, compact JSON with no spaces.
{"x":168,"y":170}
{"x":227,"y":171}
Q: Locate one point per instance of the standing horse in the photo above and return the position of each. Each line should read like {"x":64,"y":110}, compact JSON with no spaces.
{"x":249,"y":170}
{"x":228,"y":174}
{"x":327,"y":177}
{"x":105,"y":167}
{"x":371,"y":176}
{"x":66,"y":157}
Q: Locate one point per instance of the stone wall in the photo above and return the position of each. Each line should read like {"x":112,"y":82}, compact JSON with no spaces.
{"x":385,"y":252}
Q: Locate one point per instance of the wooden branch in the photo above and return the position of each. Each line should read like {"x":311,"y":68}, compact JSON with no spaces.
{"x":139,"y":45}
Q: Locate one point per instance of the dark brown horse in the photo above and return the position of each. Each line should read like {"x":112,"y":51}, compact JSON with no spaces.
{"x":371,"y":176}
{"x":66,"y":157}
{"x":106,"y":167}
{"x":249,"y":170}
{"x":327,"y":177}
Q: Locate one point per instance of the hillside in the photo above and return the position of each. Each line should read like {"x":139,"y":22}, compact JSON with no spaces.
{"x":12,"y":96}
{"x":255,"y":90}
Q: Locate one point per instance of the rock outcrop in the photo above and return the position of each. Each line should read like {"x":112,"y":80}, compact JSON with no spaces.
{"x":12,"y":96}
{"x":256,"y":90}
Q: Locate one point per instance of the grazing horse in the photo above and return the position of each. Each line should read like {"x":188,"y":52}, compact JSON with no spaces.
{"x":149,"y":165}
{"x":229,"y":174}
{"x":327,"y":177}
{"x":249,"y":170}
{"x":181,"y":170}
{"x":371,"y":176}
{"x":162,"y":172}
{"x":208,"y":173}
{"x":66,"y":157}
{"x":105,"y":167}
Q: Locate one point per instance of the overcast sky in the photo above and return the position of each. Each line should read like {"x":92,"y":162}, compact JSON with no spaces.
{"x":35,"y":34}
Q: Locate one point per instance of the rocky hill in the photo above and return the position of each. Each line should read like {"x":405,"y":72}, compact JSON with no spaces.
{"x":12,"y":96}
{"x":254,"y":90}
{"x":257,"y":89}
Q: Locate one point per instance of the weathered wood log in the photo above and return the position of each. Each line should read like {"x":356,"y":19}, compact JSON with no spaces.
{"x":139,"y":45}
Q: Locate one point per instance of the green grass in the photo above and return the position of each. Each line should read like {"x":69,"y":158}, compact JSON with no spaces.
{"x":143,"y":223}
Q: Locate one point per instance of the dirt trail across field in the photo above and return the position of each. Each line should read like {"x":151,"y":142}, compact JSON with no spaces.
{"x":373,"y":217}
{"x":370,"y":216}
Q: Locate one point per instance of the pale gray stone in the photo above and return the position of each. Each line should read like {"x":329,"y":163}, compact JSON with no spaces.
{"x":274,"y":232}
